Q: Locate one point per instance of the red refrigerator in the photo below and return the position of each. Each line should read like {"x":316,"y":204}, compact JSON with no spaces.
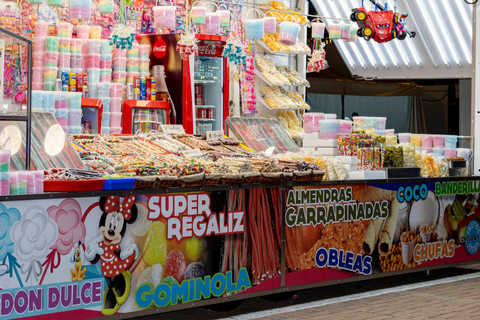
{"x":195,"y":95}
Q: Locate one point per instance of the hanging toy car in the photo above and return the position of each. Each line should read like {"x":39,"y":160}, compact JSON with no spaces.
{"x":379,"y":25}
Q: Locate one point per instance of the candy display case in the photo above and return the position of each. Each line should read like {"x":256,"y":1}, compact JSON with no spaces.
{"x":15,"y":99}
{"x":141,"y":116}
{"x":262,"y":134}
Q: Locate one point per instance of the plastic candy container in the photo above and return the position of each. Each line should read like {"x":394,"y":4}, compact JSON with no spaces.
{"x":311,"y":121}
{"x":254,"y":28}
{"x":381,"y":123}
{"x":18,"y":182}
{"x":335,"y":31}
{"x":105,"y":47}
{"x":93,"y":75}
{"x":75,"y":118}
{"x":416,"y":140}
{"x":164,"y":17}
{"x":133,"y":52}
{"x":224,"y":18}
{"x":345,"y":33}
{"x":5,"y":160}
{"x":37,"y":99}
{"x":51,"y":44}
{"x":212,"y":23}
{"x":143,"y":51}
{"x":345,"y":127}
{"x":64,"y":30}
{"x":34,"y":181}
{"x":74,"y":100}
{"x":318,"y":30}
{"x":41,"y":29}
{"x":105,"y":6}
{"x":62,"y":117}
{"x":116,"y":104}
{"x":116,"y":90}
{"x":269,"y":24}
{"x":61,"y":100}
{"x":329,"y":129}
{"x":105,"y":75}
{"x":94,"y":46}
{"x":83,"y":32}
{"x":451,"y":142}
{"x":115,"y":119}
{"x":119,"y":64}
{"x":105,"y":61}
{"x":80,"y":9}
{"x":95,"y":32}
{"x":198,"y":15}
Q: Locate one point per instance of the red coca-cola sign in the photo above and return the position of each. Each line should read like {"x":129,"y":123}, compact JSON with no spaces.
{"x":210,"y":48}
{"x":159,"y":49}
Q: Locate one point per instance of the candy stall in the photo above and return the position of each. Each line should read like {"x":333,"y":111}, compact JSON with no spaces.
{"x":173,"y":162}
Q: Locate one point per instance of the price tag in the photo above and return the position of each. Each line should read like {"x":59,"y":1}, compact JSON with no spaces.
{"x":214,"y":135}
{"x":172,"y":128}
{"x":192,"y":153}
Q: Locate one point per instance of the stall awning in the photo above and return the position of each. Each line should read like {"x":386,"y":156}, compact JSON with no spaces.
{"x":441,"y":49}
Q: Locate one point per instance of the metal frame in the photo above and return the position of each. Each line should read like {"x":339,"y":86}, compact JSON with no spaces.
{"x":475,"y":115}
{"x":27,"y":118}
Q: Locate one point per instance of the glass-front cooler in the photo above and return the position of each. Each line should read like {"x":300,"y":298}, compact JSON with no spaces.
{"x":142,"y":116}
{"x":209,"y":97}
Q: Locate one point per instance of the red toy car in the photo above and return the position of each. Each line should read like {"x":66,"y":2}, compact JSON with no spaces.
{"x":381,"y":25}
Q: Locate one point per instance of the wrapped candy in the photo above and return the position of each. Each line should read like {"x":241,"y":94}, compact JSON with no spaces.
{"x":187,"y":46}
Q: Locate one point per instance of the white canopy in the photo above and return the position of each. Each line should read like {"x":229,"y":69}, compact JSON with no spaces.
{"x":442,"y":47}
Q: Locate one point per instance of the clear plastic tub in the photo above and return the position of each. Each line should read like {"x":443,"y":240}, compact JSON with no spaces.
{"x":38,"y":59}
{"x":116,"y":104}
{"x":427,"y":141}
{"x":34,"y":181}
{"x":381,"y":123}
{"x":451,"y":142}
{"x":64,"y":60}
{"x":310,"y":121}
{"x":62,"y":117}
{"x":464,"y":153}
{"x":94,"y":46}
{"x":39,"y":44}
{"x":76,"y":60}
{"x":416,"y":140}
{"x":450,"y":152}
{"x":439,"y":141}
{"x":105,"y":120}
{"x":328,"y":129}
{"x":51,"y":59}
{"x":64,"y":45}
{"x":116,"y":119}
{"x":75,"y":118}
{"x":93,"y":60}
{"x":438,"y":152}
{"x":116,"y":90}
{"x":61,"y":100}
{"x":93,"y":75}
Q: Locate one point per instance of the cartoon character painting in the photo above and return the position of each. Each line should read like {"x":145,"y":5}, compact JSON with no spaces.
{"x":115,"y":261}
{"x":78,"y":274}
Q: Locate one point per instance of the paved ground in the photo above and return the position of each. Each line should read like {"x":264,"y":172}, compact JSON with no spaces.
{"x":452,"y":293}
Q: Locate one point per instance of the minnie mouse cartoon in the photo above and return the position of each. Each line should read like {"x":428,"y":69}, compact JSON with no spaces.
{"x":116,"y":261}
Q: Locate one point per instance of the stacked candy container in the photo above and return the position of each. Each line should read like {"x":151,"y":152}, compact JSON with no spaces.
{"x":4,"y":172}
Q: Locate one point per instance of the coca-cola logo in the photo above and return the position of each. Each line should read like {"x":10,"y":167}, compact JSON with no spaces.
{"x":210,"y":48}
{"x":159,"y":49}
{"x":207,"y":50}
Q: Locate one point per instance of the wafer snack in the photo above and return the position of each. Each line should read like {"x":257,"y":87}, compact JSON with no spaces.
{"x":388,"y":232}
{"x":371,"y":236}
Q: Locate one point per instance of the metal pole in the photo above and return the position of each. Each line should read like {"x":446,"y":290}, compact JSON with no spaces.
{"x":28,"y":140}
{"x":476,"y":88}
{"x":283,"y":245}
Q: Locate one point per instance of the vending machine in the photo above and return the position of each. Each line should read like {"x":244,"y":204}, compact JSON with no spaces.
{"x":142,"y":116}
{"x":92,"y":110}
{"x":198,"y":87}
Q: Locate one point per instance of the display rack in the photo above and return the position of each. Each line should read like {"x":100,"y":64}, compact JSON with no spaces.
{"x":269,"y":51}
{"x":262,"y":101}
{"x":11,"y":38}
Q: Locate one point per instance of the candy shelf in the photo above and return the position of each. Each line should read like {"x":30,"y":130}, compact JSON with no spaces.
{"x":262,"y":101}
{"x":205,"y":106}
{"x":269,"y":51}
{"x":204,"y":81}
{"x":259,"y":74}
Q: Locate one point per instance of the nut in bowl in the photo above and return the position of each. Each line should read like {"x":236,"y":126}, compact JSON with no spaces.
{"x":408,"y":243}
{"x":426,"y":232}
